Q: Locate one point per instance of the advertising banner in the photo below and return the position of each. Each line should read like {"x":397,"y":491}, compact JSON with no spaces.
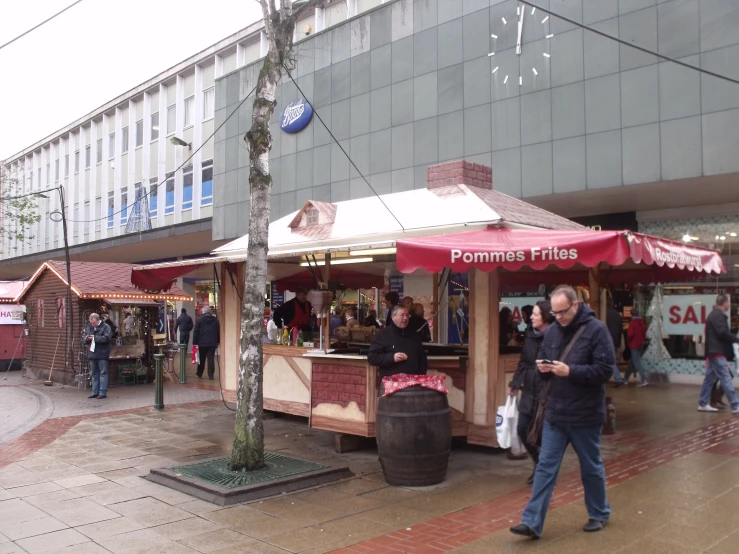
{"x":12,"y":314}
{"x":686,"y":314}
{"x":515,"y":303}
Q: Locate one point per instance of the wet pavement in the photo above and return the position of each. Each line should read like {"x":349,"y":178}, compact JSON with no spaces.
{"x":74,"y":484}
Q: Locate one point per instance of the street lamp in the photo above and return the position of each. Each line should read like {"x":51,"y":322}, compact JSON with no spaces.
{"x":56,"y":216}
{"x":179,"y":142}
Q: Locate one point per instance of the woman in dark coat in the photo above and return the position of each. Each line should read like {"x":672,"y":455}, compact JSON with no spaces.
{"x":528,"y":378}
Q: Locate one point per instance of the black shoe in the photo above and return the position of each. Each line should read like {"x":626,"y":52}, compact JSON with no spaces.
{"x":93,"y":396}
{"x":210,"y":378}
{"x":102,"y":396}
{"x":594,"y":525}
{"x":524,"y":530}
{"x":530,"y":480}
{"x":199,"y":376}
{"x":618,"y":384}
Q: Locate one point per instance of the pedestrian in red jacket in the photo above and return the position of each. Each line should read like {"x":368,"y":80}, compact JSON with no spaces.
{"x":635,"y":339}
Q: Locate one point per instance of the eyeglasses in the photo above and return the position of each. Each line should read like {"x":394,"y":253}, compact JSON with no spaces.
{"x":561,"y":312}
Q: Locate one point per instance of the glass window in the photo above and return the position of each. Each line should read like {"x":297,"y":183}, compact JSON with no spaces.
{"x":139,"y":133}
{"x":87,"y":157}
{"x":111,"y":146}
{"x":61,"y":311}
{"x":40,"y":311}
{"x":124,"y":140}
{"x":87,"y":216}
{"x":206,"y":195}
{"x":187,"y":188}
{"x":56,"y":170}
{"x":171,"y":119}
{"x":153,"y":197}
{"x":66,"y":165}
{"x":98,"y":213}
{"x":169,"y":194}
{"x":48,"y":173}
{"x":99,"y":154}
{"x":77,"y":161}
{"x":209,"y":96}
{"x":154,"y":126}
{"x":111,"y":208}
{"x":189,"y":111}
{"x":38,"y":177}
{"x":77,"y":219}
{"x":124,"y":205}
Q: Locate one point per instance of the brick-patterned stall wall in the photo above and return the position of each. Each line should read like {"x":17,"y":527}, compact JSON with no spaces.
{"x":457,"y":376}
{"x":337,"y":384}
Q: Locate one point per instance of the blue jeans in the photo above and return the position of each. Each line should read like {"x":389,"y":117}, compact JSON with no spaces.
{"x":554,"y":441}
{"x":617,"y":374}
{"x":718,"y":370}
{"x":99,"y":371}
{"x":635,"y":365}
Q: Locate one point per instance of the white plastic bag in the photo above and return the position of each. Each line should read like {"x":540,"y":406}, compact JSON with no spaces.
{"x":502,"y":423}
{"x":517,"y":447}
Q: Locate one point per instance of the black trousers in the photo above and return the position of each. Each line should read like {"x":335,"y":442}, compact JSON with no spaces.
{"x":524,"y":420}
{"x":184,"y":339}
{"x":209,"y":353}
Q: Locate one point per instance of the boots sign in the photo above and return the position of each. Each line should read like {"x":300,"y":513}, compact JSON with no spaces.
{"x":296,"y":116}
{"x":686,"y":314}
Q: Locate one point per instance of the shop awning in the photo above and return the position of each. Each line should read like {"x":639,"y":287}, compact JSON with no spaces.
{"x":350,"y":279}
{"x":513,"y":249}
{"x":160,"y":277}
{"x":130,"y":302}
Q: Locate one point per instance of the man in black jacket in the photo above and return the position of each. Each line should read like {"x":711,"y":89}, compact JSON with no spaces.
{"x":397,"y":349}
{"x":184,"y":326}
{"x":575,"y":410}
{"x":207,"y":336}
{"x":719,"y":349}
{"x":616,"y":329}
{"x":98,"y":336}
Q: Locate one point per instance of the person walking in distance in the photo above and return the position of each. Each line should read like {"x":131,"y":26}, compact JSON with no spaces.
{"x":528,"y":377}
{"x":577,"y":358}
{"x":636,"y":337}
{"x":184,"y":326}
{"x":207,"y":337}
{"x":615,"y":328}
{"x":98,"y":336}
{"x":719,"y":349}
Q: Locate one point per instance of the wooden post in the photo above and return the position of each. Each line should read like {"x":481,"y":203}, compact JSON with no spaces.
{"x":435,"y":307}
{"x":326,"y":322}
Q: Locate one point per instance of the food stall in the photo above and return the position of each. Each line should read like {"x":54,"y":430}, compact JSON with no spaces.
{"x":102,"y":288}
{"x":12,"y":326}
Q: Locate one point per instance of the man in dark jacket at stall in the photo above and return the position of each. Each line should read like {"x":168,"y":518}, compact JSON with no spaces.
{"x":575,"y":410}
{"x":616,"y":330}
{"x":719,"y":349}
{"x":392,"y":299}
{"x":207,"y":337}
{"x":296,"y":313}
{"x":184,"y":326}
{"x":397,"y":349}
{"x":98,"y":337}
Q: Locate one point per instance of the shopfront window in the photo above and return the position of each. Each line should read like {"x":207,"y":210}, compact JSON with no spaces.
{"x":206,"y":294}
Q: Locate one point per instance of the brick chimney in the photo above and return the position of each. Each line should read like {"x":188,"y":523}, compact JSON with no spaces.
{"x":459,"y":172}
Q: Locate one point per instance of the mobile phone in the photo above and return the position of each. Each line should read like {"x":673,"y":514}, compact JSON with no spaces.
{"x":548,"y":362}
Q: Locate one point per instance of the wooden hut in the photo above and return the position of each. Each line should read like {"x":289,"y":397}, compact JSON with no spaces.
{"x":103,"y":288}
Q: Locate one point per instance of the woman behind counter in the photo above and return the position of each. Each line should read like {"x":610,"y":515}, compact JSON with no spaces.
{"x":529,"y":378}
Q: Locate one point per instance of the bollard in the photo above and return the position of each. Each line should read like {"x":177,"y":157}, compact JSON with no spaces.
{"x":183,"y":371}
{"x":159,"y":380}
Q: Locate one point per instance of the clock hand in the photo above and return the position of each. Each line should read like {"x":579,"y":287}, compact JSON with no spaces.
{"x":520,"y":30}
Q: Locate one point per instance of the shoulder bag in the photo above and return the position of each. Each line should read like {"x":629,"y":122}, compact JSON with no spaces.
{"x":533,"y":436}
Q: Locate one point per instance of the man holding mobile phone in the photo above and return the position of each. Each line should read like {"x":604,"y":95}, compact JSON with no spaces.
{"x":575,"y":409}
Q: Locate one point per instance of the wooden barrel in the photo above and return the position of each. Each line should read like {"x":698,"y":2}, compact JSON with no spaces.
{"x":414,"y":436}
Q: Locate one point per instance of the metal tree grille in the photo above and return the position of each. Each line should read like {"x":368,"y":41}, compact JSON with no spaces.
{"x":216,"y":471}
{"x":139,"y":219}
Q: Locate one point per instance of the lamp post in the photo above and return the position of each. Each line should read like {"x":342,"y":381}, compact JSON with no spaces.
{"x":68,"y":309}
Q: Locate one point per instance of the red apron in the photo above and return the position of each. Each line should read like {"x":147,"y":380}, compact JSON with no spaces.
{"x":301,"y":317}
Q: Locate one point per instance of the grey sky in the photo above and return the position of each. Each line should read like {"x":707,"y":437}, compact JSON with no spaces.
{"x":94,"y":52}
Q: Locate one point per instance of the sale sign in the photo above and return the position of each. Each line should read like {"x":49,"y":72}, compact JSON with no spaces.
{"x":686,"y":314}
{"x":515,"y":303}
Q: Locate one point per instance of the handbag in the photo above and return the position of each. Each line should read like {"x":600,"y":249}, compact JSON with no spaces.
{"x":533,"y":436}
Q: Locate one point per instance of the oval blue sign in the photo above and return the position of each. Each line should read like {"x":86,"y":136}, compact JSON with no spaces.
{"x":296,"y":116}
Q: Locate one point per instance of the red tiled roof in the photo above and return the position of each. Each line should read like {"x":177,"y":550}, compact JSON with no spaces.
{"x":100,"y":278}
{"x":10,"y":289}
{"x":514,"y":210}
{"x":326,"y":209}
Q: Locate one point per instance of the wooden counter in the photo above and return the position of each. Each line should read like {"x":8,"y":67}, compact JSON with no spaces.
{"x":287,"y":379}
{"x":344,"y":392}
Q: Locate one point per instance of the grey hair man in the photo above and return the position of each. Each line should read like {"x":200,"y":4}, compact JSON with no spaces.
{"x":719,"y":349}
{"x":98,"y":336}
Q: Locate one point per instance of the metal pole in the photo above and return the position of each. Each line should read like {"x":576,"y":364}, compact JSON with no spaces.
{"x":159,"y":379}
{"x":183,"y":371}
{"x":69,"y":355}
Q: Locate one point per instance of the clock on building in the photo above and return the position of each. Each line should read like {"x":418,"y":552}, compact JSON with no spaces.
{"x":515,"y":28}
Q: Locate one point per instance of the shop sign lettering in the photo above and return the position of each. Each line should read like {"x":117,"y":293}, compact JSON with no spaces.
{"x":686,"y":314}
{"x":549,"y":254}
{"x":296,"y":116}
{"x":12,"y":314}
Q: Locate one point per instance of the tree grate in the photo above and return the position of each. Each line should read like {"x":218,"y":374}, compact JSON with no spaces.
{"x":278,"y":466}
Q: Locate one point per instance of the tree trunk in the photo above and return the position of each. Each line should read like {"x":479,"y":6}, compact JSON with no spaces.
{"x":248,"y":445}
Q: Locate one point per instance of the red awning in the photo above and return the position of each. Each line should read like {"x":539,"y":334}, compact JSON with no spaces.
{"x":160,"y":279}
{"x":538,"y":249}
{"x":350,"y":279}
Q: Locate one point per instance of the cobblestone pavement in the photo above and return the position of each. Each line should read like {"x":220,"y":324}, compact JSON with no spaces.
{"x":673,"y":477}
